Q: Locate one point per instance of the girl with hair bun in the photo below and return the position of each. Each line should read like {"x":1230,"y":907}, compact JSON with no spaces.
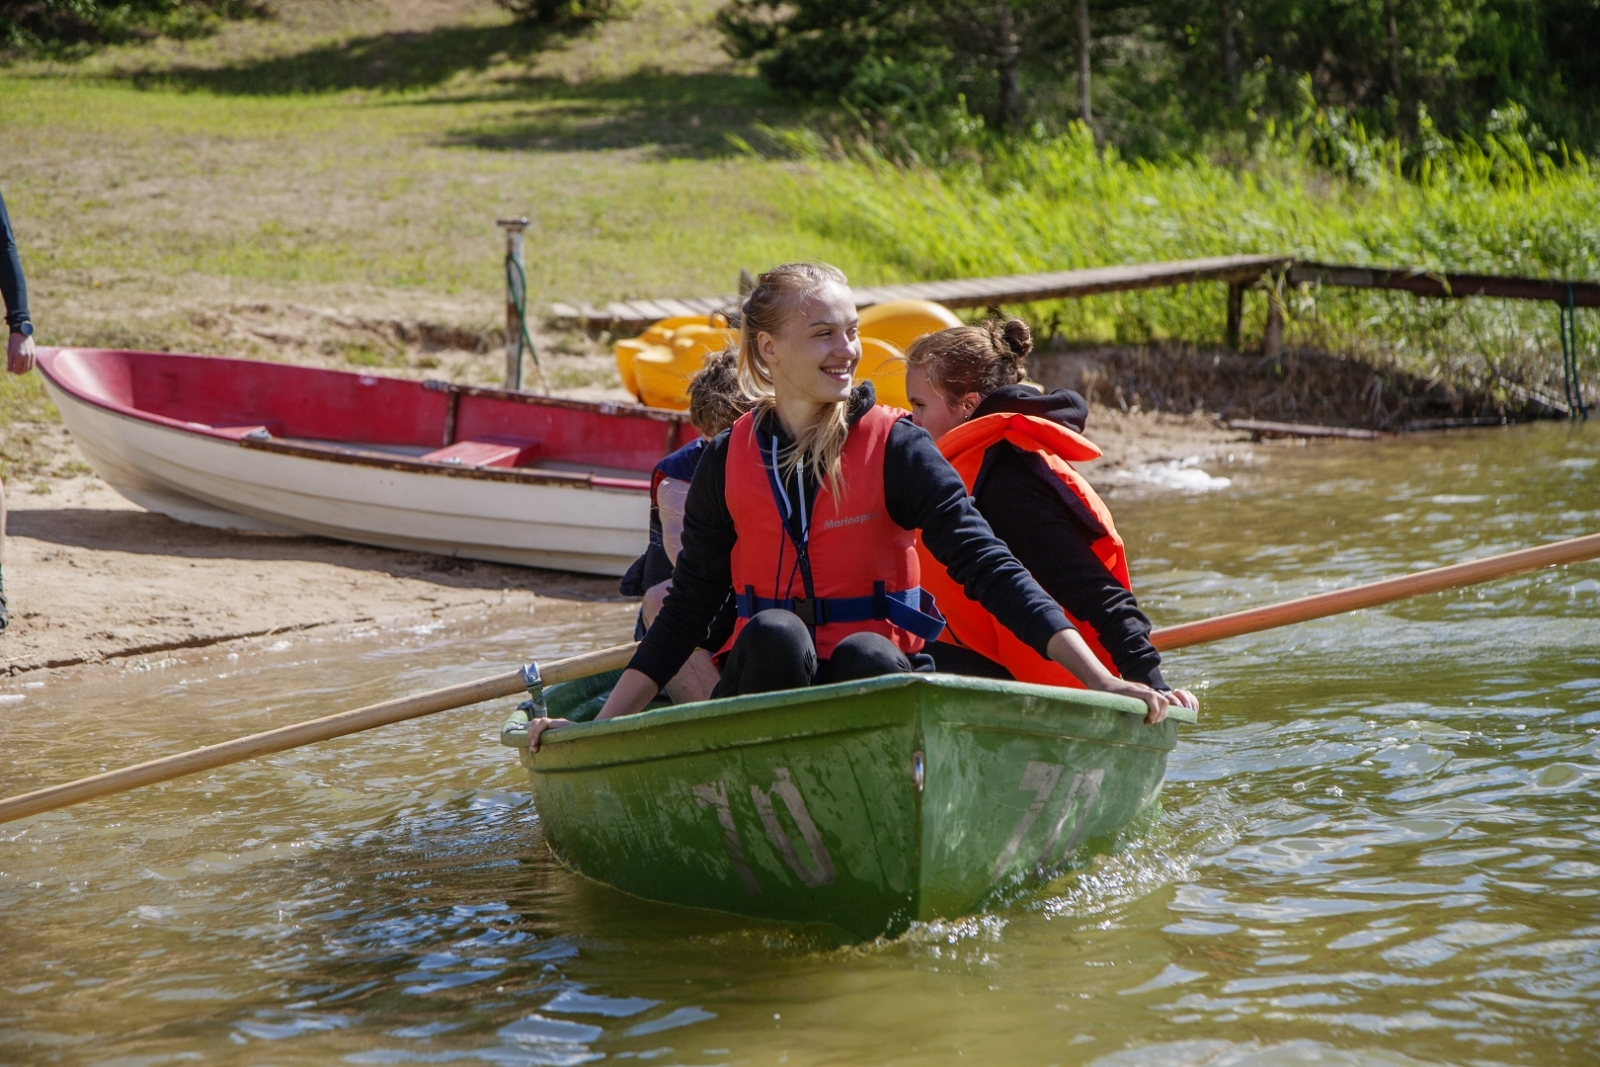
{"x":1013,"y":447}
{"x":804,"y":516}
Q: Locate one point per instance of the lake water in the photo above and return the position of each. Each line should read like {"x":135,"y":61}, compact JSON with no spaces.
{"x":1380,"y":846}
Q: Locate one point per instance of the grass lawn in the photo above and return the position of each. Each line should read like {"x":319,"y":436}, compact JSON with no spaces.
{"x":353,"y":159}
{"x":322,"y":186}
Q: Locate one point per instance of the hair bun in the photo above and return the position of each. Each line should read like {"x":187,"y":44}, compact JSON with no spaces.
{"x":1018,"y":338}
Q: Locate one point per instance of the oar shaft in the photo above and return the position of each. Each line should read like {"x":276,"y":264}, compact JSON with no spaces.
{"x":1374,"y":593}
{"x":391,"y":711}
{"x":305,"y":733}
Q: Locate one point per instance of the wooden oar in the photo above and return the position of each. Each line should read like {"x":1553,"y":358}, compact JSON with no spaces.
{"x":456,"y":696}
{"x":1356,"y":597}
{"x":305,"y":733}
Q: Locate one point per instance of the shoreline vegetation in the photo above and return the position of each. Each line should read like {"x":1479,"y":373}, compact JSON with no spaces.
{"x":1492,"y":206}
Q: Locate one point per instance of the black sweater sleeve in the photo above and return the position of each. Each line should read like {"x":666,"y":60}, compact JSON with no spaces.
{"x":703,"y":577}
{"x":923,"y":492}
{"x":1050,"y":532}
{"x":13,"y":289}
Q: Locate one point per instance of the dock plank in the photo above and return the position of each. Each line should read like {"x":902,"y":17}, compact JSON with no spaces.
{"x":1000,"y":290}
{"x":1447,"y":283}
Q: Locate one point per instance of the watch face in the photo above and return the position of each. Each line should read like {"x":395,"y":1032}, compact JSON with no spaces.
{"x":26,"y":329}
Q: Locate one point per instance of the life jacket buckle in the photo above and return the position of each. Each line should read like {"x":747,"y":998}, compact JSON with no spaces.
{"x":812,"y":612}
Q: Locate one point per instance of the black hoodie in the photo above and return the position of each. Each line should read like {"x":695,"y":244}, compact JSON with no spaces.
{"x":1050,"y":530}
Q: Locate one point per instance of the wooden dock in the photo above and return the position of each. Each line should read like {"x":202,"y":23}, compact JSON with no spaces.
{"x":1272,"y":274}
{"x":1237,"y":271}
{"x":1446,"y":283}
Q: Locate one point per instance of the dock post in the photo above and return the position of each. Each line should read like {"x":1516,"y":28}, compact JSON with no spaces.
{"x":1576,"y":409}
{"x":517,"y":339}
{"x":1272,"y":337}
{"x":1235,"y":314}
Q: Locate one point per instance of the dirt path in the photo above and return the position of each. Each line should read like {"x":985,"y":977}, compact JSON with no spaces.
{"x":92,"y":577}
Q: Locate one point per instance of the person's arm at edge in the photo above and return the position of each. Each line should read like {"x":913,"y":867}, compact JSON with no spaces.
{"x":14,"y":294}
{"x":700,"y":585}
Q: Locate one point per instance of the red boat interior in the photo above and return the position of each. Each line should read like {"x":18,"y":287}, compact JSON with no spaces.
{"x":363,"y":415}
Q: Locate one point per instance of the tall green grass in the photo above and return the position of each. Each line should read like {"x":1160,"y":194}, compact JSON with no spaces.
{"x":1318,"y":191}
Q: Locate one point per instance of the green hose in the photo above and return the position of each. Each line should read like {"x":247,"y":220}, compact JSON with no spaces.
{"x":517,"y":290}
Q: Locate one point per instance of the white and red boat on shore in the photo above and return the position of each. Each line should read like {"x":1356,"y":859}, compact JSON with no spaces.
{"x":427,"y":466}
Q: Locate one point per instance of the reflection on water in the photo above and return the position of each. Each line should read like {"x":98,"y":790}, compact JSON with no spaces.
{"x":1380,"y":846}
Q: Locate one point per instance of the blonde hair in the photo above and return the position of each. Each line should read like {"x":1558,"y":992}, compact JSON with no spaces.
{"x":974,"y":359}
{"x":768,"y":309}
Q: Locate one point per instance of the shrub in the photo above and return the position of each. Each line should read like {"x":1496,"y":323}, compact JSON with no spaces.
{"x":568,"y":12}
{"x":53,"y":25}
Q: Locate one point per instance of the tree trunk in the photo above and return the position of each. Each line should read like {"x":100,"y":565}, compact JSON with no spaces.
{"x":1009,"y":57}
{"x":1083,"y":62}
{"x":1394,"y":49}
{"x":1230,"y":56}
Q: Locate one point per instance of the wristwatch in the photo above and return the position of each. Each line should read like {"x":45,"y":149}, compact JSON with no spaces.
{"x":24,"y":328}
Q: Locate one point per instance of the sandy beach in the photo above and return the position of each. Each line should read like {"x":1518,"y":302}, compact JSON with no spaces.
{"x":91,"y":577}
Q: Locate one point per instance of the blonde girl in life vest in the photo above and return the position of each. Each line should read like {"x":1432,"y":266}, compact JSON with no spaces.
{"x":802,"y":520}
{"x":1013,"y":446}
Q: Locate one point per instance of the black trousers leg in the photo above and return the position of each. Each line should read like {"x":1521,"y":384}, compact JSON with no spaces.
{"x":957,"y":659}
{"x":773,"y":651}
{"x":863,"y":655}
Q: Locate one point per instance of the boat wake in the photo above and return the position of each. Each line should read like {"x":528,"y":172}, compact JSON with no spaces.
{"x":1148,"y":856}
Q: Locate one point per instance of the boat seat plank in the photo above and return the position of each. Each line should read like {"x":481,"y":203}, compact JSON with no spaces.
{"x":489,"y":452}
{"x":236,"y":432}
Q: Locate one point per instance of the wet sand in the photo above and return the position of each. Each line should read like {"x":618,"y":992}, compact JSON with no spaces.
{"x":92,"y":577}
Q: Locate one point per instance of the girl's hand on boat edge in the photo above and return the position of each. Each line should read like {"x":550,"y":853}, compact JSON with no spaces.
{"x":1154,"y":699}
{"x":1068,"y":649}
{"x":1184,"y":698}
{"x":539,"y":726}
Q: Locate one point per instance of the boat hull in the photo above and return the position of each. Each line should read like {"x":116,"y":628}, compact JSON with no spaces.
{"x":214,"y":482}
{"x":341,"y":465}
{"x":865,"y":806}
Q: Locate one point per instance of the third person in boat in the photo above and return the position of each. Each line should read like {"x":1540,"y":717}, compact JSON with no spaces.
{"x":1013,"y":447}
{"x":808,"y":510}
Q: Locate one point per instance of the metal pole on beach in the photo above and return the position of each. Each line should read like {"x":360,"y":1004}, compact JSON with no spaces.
{"x":516,"y":300}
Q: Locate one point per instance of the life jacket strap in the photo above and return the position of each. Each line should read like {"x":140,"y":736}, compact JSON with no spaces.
{"x":913,"y":610}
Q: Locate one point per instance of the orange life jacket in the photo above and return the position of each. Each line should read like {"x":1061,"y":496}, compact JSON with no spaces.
{"x":854,"y":570}
{"x":971,"y":625}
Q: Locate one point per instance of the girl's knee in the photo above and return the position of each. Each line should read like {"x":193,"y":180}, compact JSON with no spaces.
{"x":866,"y":655}
{"x":776,"y":628}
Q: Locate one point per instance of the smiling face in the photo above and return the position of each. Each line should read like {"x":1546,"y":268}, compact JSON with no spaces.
{"x":931,"y":409}
{"x":814,"y":355}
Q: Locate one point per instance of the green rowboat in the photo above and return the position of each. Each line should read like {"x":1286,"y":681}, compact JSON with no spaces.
{"x":864,"y":805}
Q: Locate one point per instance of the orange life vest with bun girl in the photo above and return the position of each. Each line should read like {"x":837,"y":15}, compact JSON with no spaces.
{"x":969,"y":624}
{"x":854,"y":568}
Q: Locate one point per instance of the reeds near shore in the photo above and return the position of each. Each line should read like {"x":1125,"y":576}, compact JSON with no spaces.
{"x":1318,"y":192}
